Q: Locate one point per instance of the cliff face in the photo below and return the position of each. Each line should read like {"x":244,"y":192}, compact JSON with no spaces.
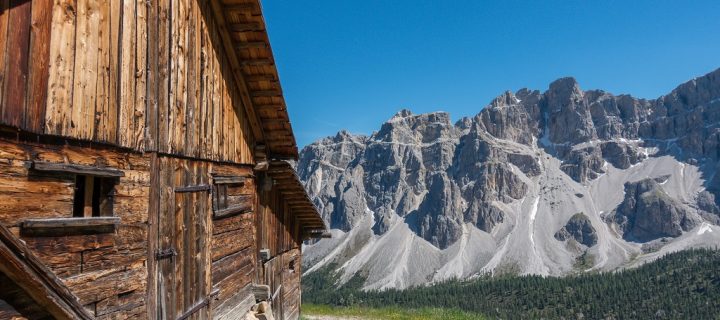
{"x":489,"y":193}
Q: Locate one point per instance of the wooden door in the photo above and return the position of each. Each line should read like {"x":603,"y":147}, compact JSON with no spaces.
{"x":183,"y":254}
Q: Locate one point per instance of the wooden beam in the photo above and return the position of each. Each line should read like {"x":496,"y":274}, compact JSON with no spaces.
{"x":69,"y":226}
{"x":260,"y":77}
{"x":257,"y":62}
{"x":252,"y":45}
{"x":41,"y":284}
{"x":266,"y":93}
{"x":232,"y":211}
{"x":243,"y":7}
{"x":218,"y":9}
{"x":75,"y":168}
{"x":246,"y":27}
{"x":229,"y":179}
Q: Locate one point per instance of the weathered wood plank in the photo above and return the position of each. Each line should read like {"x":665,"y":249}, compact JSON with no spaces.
{"x":62,"y":65}
{"x":39,"y":65}
{"x":4,"y":14}
{"x":166,"y":301}
{"x":103,"y":104}
{"x":179,"y":230}
{"x":75,"y":168}
{"x":128,"y":69}
{"x":190,"y":277}
{"x":153,"y":236}
{"x":26,"y":270}
{"x":216,"y":124}
{"x":109,"y":120}
{"x":63,"y":226}
{"x":206,"y":225}
{"x":164,"y":70}
{"x":151,"y":106}
{"x":178,"y":94}
{"x":192,"y":82}
{"x":230,"y":264}
{"x":236,"y":306}
{"x":141,"y":47}
{"x":82,"y":121}
{"x":18,"y":54}
{"x":232,"y":211}
{"x":205,"y":105}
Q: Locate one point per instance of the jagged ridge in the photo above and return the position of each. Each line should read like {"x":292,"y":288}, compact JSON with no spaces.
{"x":489,"y":193}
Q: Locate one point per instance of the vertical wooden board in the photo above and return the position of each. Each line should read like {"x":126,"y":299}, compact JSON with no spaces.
{"x":166,"y":276}
{"x":173,"y":113}
{"x":180,"y":45}
{"x":191,"y":102}
{"x":109,"y":120}
{"x":178,"y":212}
{"x":163,"y":75}
{"x":217,"y":109}
{"x":62,"y":65}
{"x":186,"y":254}
{"x":153,"y":238}
{"x":18,"y":46}
{"x":86,"y":70}
{"x":203,"y":110}
{"x":126,"y":113}
{"x":225,"y":116}
{"x":139,"y":111}
{"x":151,"y":107}
{"x":205,"y":240}
{"x":241,"y":143}
{"x":39,"y":64}
{"x":206,"y":144}
{"x":172,"y":75}
{"x":4,"y":14}
{"x":102,"y":87}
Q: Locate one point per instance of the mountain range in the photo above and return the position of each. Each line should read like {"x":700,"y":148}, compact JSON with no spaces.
{"x":553,"y":183}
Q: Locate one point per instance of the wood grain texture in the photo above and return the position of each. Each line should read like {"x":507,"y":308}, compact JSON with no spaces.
{"x":94,"y":266}
{"x":4,"y":17}
{"x":141,"y":48}
{"x":18,"y":55}
{"x":39,"y":66}
{"x":82,"y":119}
{"x":62,"y":65}
{"x":126,"y":113}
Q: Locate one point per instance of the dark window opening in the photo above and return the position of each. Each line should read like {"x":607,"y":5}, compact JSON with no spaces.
{"x":221,"y":197}
{"x":230,"y":197}
{"x":93,"y":196}
{"x":292,"y":266}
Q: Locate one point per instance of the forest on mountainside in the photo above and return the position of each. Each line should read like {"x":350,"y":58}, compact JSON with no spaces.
{"x":681,"y":285}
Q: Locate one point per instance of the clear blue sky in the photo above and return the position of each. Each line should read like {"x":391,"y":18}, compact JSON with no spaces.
{"x":352,"y":64}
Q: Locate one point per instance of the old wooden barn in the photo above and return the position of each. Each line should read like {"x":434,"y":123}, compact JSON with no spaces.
{"x":144,"y":174}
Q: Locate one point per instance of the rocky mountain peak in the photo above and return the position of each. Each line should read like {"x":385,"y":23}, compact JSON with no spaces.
{"x":503,"y":189}
{"x":564,"y":89}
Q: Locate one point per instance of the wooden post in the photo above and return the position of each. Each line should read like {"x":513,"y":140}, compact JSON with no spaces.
{"x":88,"y":205}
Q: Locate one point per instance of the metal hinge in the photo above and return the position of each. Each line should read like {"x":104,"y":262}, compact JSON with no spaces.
{"x":165,"y":254}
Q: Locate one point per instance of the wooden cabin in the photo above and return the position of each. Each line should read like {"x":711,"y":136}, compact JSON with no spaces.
{"x":144,"y":174}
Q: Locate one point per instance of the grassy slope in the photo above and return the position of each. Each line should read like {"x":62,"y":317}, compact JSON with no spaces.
{"x":391,"y":313}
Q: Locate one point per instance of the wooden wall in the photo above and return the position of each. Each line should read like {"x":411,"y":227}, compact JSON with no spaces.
{"x":278,"y":231}
{"x":233,"y":253}
{"x":183,"y":279}
{"x":146,"y":75}
{"x":106,"y":271}
{"x":215,"y":261}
